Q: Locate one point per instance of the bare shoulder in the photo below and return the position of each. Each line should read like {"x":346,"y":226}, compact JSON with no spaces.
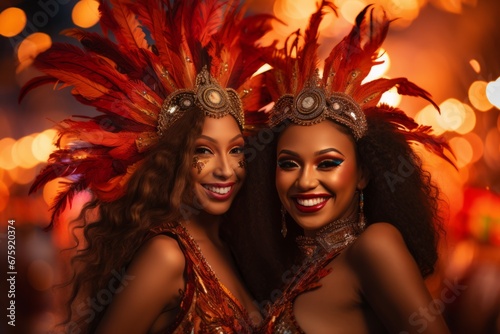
{"x":381,"y":245}
{"x":154,"y":279}
{"x":377,"y":239}
{"x":161,"y":253}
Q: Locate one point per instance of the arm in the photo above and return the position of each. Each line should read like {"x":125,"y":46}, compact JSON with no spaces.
{"x":392,"y":284}
{"x":153,"y":281}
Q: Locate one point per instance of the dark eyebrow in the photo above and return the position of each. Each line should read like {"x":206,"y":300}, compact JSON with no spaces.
{"x":326,"y":150}
{"x":288,"y":152}
{"x":215,"y":141}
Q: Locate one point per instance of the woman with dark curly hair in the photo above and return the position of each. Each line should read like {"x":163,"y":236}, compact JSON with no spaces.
{"x":347,"y":175}
{"x":164,"y":161}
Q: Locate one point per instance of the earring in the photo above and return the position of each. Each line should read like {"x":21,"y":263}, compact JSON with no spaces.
{"x":284,"y":230}
{"x":198,"y":164}
{"x":362,"y":219}
{"x":242,"y":163}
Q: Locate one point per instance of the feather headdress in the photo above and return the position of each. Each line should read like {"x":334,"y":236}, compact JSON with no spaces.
{"x":304,"y":98}
{"x":154,"y":59}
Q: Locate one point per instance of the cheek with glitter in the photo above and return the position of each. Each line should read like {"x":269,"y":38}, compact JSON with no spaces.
{"x":198,"y":164}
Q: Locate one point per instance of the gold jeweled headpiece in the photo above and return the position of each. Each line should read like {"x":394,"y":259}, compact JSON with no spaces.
{"x":304,"y":98}
{"x":208,"y":95}
{"x":164,"y":58}
{"x":313,"y":105}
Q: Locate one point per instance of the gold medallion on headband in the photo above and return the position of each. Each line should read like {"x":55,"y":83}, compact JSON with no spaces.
{"x":313,"y":105}
{"x":208,"y":95}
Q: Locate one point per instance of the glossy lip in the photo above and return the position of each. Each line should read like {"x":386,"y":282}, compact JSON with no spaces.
{"x":310,"y":209}
{"x":218,"y":196}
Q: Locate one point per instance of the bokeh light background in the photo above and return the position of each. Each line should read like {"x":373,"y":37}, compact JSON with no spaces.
{"x":449,"y":47}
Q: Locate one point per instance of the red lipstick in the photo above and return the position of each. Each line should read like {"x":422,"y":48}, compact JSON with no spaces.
{"x":310,"y":208}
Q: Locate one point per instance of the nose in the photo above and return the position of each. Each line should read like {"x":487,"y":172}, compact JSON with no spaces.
{"x":224,"y":170}
{"x":307,"y":179}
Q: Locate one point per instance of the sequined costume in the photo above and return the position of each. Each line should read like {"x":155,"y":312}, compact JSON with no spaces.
{"x":318,"y":252}
{"x":207,"y":306}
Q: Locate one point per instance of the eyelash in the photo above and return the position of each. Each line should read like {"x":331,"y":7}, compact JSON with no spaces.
{"x":325,"y":164}
{"x":287,"y":164}
{"x":237,"y":150}
{"x":206,"y":150}
{"x":202,"y":150}
{"x":330,"y":163}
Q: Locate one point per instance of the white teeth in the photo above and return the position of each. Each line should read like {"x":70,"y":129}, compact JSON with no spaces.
{"x":218,"y":190}
{"x":311,"y":201}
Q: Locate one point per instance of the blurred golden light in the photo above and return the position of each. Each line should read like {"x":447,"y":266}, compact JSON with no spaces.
{"x":22,"y":154}
{"x":477,"y":146}
{"x":4,"y":196}
{"x":350,"y":9}
{"x":43,"y":145}
{"x":452,"y":6}
{"x":464,"y":174}
{"x":31,"y":47}
{"x":477,"y":96}
{"x":6,"y":153}
{"x":40,"y":275}
{"x":86,"y":13}
{"x":404,"y":11}
{"x":391,"y":97}
{"x":498,"y":123}
{"x":22,"y":175}
{"x":463,"y":151}
{"x":475,"y":66}
{"x":493,"y":92}
{"x":469,"y":120}
{"x":452,"y":114}
{"x":428,"y":116}
{"x":298,"y":9}
{"x":379,"y":70}
{"x":461,"y":258}
{"x":492,"y":149}
{"x":12,"y":21}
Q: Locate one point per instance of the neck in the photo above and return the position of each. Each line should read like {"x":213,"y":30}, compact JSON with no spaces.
{"x":334,"y":236}
{"x":204,"y":226}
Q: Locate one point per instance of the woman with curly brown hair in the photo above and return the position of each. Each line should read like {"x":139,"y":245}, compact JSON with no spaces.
{"x":164,"y":161}
{"x":347,"y":176}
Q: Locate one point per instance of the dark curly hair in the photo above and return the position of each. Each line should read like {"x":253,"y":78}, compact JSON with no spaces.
{"x":155,"y":194}
{"x":399,"y":192}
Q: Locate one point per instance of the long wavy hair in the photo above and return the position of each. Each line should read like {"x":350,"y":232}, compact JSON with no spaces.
{"x":400,"y":191}
{"x":154,"y":195}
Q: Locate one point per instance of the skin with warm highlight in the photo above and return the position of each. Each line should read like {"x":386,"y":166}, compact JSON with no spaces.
{"x":317,"y":174}
{"x":169,"y":187}
{"x":375,"y":285}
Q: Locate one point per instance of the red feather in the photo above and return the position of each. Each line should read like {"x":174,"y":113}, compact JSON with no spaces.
{"x":126,"y":79}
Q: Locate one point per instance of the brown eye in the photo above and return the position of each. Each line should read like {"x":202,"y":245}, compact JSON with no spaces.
{"x":202,"y":150}
{"x":287,"y":164}
{"x":330,"y":163}
{"x":237,"y":150}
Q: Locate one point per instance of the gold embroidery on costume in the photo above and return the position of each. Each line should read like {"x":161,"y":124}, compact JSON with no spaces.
{"x":318,"y":252}
{"x":207,"y":305}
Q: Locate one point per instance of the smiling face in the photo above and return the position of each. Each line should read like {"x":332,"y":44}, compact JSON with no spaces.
{"x":317,"y":174}
{"x":217,"y":168}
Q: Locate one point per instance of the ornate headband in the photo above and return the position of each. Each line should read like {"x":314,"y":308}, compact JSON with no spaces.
{"x":313,"y":105}
{"x":141,"y":82}
{"x":208,"y":95}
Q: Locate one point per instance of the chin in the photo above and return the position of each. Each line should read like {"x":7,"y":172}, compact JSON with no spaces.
{"x":310,"y":223}
{"x":216,"y":211}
